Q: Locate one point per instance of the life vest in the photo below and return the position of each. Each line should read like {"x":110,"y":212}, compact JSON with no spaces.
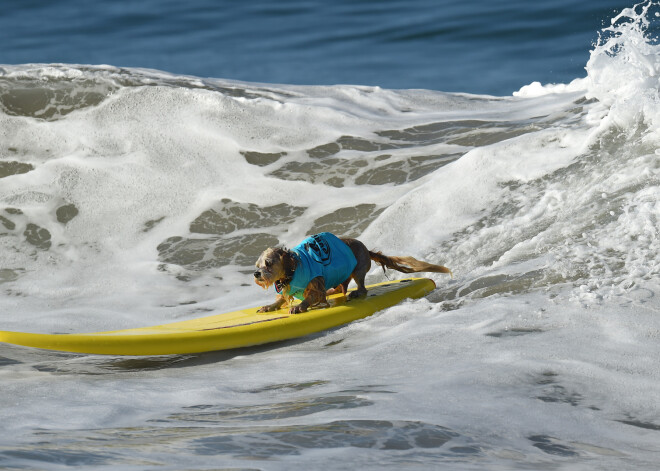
{"x":323,"y":255}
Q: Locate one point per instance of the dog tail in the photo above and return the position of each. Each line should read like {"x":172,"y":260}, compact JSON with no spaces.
{"x":407,"y":264}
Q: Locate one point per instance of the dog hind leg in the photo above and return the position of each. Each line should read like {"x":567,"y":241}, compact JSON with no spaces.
{"x":361,"y":268}
{"x":358,"y":276}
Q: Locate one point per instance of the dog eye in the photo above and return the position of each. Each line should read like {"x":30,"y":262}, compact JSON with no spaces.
{"x":268,"y":263}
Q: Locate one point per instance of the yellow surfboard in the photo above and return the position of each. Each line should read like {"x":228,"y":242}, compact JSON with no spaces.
{"x":230,"y":330}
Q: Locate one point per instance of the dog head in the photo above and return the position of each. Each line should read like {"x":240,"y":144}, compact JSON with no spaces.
{"x":275,"y":266}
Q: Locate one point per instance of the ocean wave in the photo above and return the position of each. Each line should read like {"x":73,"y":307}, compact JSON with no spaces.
{"x":125,"y":175}
{"x":132,"y":197}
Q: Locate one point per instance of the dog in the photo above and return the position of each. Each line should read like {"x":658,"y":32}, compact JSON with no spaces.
{"x":324,"y":264}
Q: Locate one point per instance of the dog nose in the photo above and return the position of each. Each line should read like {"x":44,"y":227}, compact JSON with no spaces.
{"x":257,"y":274}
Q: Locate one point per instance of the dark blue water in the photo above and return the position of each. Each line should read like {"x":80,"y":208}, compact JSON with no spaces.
{"x":478,"y":46}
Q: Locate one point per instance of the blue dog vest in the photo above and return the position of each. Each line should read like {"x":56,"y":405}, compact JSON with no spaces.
{"x":323,"y":255}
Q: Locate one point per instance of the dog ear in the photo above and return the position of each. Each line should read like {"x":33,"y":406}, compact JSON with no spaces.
{"x":288,"y":261}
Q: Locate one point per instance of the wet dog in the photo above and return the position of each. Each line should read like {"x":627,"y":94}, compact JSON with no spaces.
{"x":324,"y":264}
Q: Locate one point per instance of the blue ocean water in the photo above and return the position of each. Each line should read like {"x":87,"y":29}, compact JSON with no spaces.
{"x":476,"y":46}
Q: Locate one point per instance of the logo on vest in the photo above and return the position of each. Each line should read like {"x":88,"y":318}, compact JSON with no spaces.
{"x":319,"y":249}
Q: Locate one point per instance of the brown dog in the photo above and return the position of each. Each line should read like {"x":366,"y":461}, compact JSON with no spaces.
{"x":322,"y":264}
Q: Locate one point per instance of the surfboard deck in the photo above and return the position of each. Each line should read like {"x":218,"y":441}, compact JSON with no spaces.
{"x":242,"y":328}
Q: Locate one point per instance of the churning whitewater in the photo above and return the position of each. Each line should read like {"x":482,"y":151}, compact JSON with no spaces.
{"x":131,"y":197}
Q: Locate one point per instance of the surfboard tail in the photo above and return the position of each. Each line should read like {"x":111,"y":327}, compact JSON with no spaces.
{"x":407,"y":264}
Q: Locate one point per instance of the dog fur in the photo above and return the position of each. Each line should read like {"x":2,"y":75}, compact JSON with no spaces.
{"x":276,"y":266}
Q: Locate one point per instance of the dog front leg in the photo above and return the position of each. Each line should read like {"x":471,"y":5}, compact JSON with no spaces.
{"x":279,"y":302}
{"x":314,"y":294}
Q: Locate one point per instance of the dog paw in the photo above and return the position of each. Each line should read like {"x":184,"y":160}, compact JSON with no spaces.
{"x":357,"y":294}
{"x":266,"y":309}
{"x":297,"y":309}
